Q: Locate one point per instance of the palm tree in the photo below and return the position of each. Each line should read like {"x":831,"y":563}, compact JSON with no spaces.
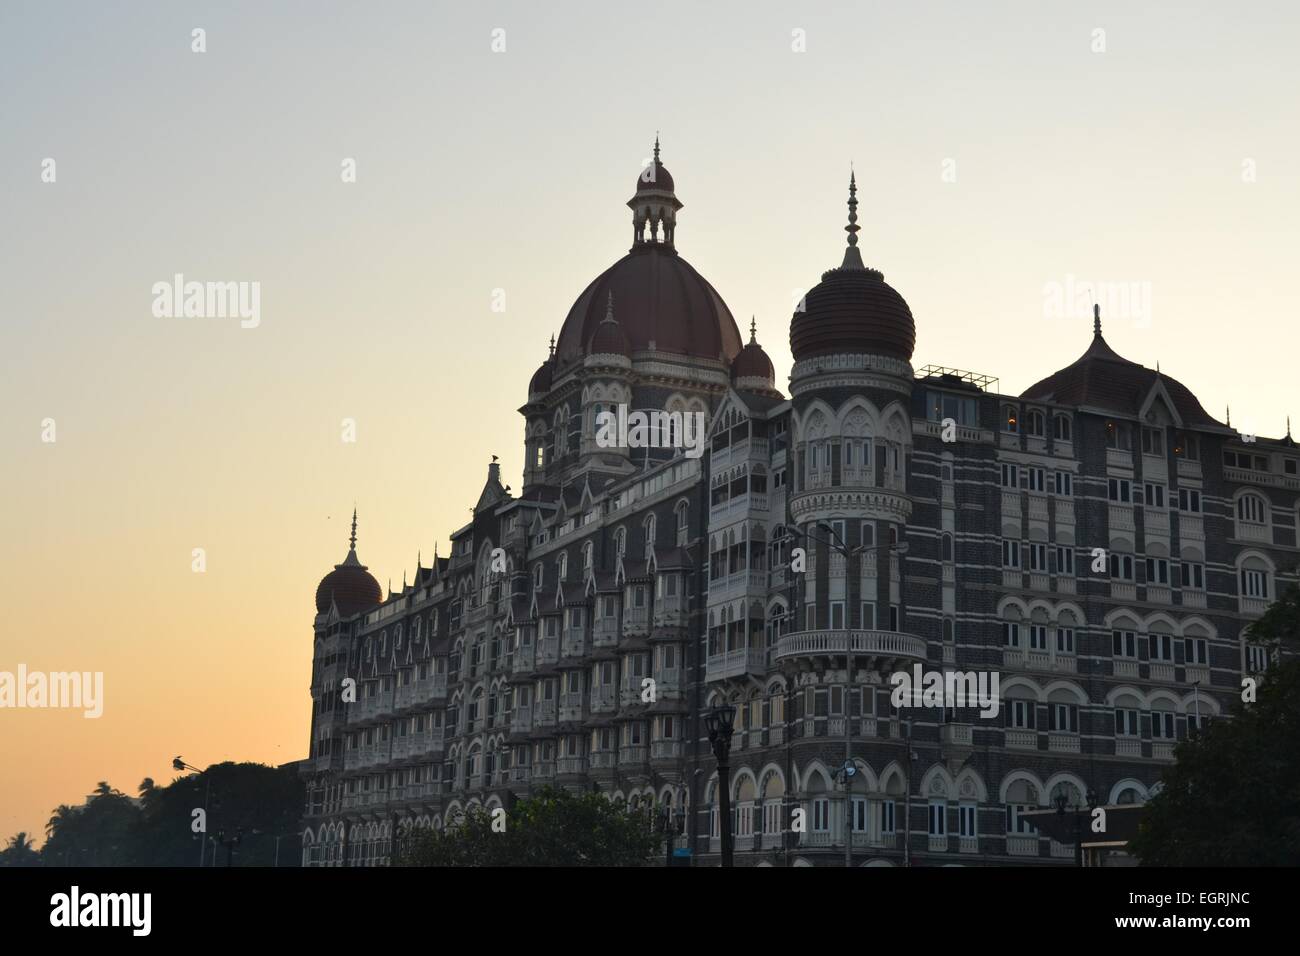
{"x":19,"y":851}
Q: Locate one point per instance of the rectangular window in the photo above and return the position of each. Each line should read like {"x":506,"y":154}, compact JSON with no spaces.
{"x":887,"y":817}
{"x":1162,"y":725}
{"x":1065,"y":640}
{"x":1121,"y":566}
{"x":821,"y":815}
{"x":1254,"y":584}
{"x":1065,"y":718}
{"x":1256,"y":658}
{"x":1010,"y":475}
{"x":1011,"y":634}
{"x":1064,"y":559}
{"x":1064,"y":483}
{"x":837,"y":615}
{"x":1010,"y":553}
{"x":1038,"y":557}
{"x":1189,"y":499}
{"x":1123,"y":644}
{"x":938,"y":818}
{"x":1153,"y":442}
{"x":1020,"y":714}
{"x":1196,"y":650}
{"x":1034,"y":479}
{"x":1193,"y":575}
{"x":1157,"y":571}
{"x":1119,"y":490}
{"x":868,"y":615}
{"x":1038,"y":637}
{"x":966,"y":820}
{"x":1126,"y":723}
{"x":1153,"y":495}
{"x":1161,"y":647}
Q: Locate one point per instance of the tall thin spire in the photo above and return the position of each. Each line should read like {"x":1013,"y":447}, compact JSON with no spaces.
{"x":852,"y":257}
{"x":352,"y":542}
{"x":552,"y":353}
{"x":1228,"y":410}
{"x":1288,"y":426}
{"x":656,"y":146}
{"x":753,"y":330}
{"x":609,"y":307}
{"x":1096,"y":319}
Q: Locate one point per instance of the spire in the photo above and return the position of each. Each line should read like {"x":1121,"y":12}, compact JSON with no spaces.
{"x":1228,"y":409}
{"x":656,"y":147}
{"x":1096,"y":319}
{"x":609,"y":307}
{"x":753,"y":330}
{"x":1288,"y":426}
{"x":552,"y":353}
{"x":352,"y":542}
{"x":852,"y":257}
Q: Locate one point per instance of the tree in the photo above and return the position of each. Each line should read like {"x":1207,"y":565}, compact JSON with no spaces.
{"x":19,"y":851}
{"x":1233,"y":796}
{"x":551,"y":828}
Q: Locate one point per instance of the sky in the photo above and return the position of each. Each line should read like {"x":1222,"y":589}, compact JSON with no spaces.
{"x":1007,"y":154}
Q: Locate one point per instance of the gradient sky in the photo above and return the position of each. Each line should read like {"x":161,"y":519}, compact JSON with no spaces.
{"x":480,"y":171}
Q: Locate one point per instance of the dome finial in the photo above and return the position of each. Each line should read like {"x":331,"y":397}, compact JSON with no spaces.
{"x":852,"y":257}
{"x":656,"y":146}
{"x":1096,"y":319}
{"x":352,"y":541}
{"x":609,"y":307}
{"x":753,"y":330}
{"x":1228,"y":411}
{"x":552,"y":353}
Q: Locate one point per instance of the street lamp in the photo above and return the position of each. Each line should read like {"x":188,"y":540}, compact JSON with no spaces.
{"x":847,"y":770}
{"x":720,"y":722}
{"x":228,"y":844}
{"x":673,"y":824}
{"x":1062,"y":802}
{"x":180,"y":766}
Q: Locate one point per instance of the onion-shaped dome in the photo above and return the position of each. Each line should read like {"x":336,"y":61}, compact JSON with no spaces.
{"x":853,"y":310}
{"x":349,"y":586}
{"x":752,"y":368}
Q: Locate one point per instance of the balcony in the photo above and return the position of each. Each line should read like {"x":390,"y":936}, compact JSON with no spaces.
{"x":1039,"y":581}
{"x":1125,"y":667}
{"x":1119,"y":458}
{"x":1064,"y":511}
{"x":1189,"y":469}
{"x":1010,"y":505}
{"x":1191,"y":526}
{"x":575,"y":644}
{"x":604,"y":699}
{"x":1192,"y":598}
{"x":523,"y":664}
{"x":956,"y":735}
{"x":667,"y":749}
{"x":634,"y":755}
{"x":744,"y":660}
{"x":1198,"y":674}
{"x":1037,"y":507}
{"x":668,"y":683}
{"x":602,"y":759}
{"x":1162,"y":750}
{"x":670,"y":611}
{"x":1156,"y":522}
{"x":604,"y":632}
{"x":937,"y":844}
{"x":544,"y":713}
{"x":571,"y":707}
{"x":1021,"y":739}
{"x":1162,"y":672}
{"x":571,"y":766}
{"x":1121,"y":518}
{"x":1253,"y":607}
{"x":1063,"y":743}
{"x":1159,"y":594}
{"x":1013,"y":579}
{"x":521,"y":721}
{"x":1061,"y":851}
{"x":636,"y":621}
{"x":1021,"y":845}
{"x":1065,"y":663}
{"x":521,"y":774}
{"x":1123,"y":590}
{"x":543,"y":770}
{"x":886,"y":646}
{"x":968,"y":844}
{"x":1249,"y":531}
{"x":1128,"y":747}
{"x":548,"y":651}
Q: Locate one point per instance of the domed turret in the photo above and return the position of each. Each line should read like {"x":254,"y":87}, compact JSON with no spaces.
{"x":349,"y":586}
{"x":753,"y":370}
{"x":852,"y":310}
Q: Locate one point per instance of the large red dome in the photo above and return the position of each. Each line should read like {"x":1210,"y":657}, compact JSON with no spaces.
{"x":660,"y":303}
{"x":350,"y":586}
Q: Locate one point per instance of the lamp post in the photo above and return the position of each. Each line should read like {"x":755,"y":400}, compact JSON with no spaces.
{"x":1062,"y":803}
{"x":180,"y":765}
{"x":228,"y":844}
{"x":720,"y":722}
{"x":673,"y":824}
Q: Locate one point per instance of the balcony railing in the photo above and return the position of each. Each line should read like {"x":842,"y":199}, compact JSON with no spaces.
{"x":743,"y":660}
{"x":604,"y":632}
{"x":603,"y":699}
{"x":886,"y":644}
{"x":636,"y":621}
{"x":1022,"y":739}
{"x":1128,"y":747}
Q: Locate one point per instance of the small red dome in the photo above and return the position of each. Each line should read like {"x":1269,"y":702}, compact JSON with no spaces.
{"x":752,"y":362}
{"x":609,"y":339}
{"x":655,"y":177}
{"x":350,"y":586}
{"x":541,"y":380}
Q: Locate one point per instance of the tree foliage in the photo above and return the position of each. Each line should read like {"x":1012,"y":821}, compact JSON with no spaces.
{"x":112,"y":829}
{"x":1233,"y":796}
{"x":550,"y":828}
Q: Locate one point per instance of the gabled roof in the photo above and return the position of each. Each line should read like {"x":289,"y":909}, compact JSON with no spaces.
{"x":1104,"y":380}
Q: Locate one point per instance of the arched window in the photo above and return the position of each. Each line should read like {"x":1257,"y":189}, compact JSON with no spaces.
{"x":650,"y":525}
{"x":945,"y":546}
{"x":1010,"y":422}
{"x":620,"y":542}
{"x":1061,"y":429}
{"x":537,"y":576}
{"x":1036,"y":424}
{"x":683,"y":523}
{"x":562,"y":564}
{"x":587,"y":552}
{"x":1252,"y":509}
